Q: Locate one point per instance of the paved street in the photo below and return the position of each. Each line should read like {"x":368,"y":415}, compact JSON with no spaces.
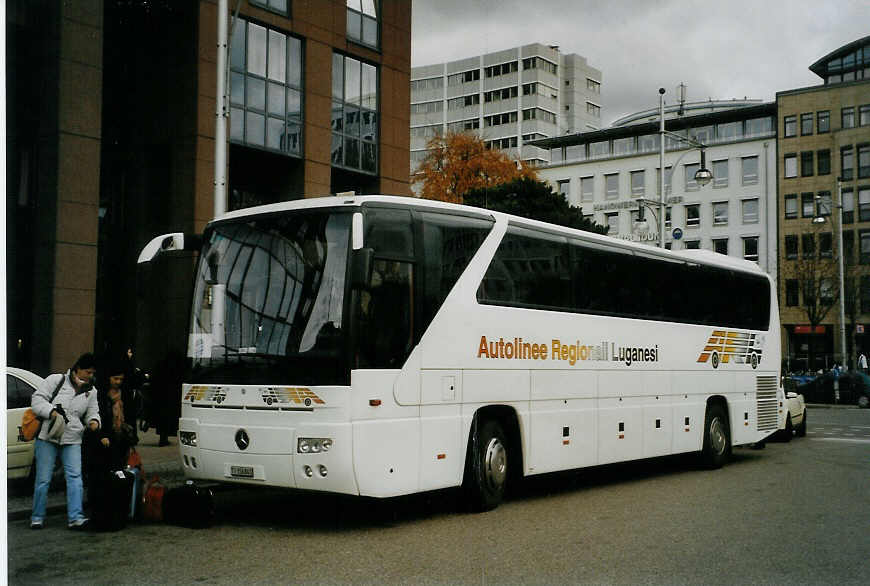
{"x":794,"y":512}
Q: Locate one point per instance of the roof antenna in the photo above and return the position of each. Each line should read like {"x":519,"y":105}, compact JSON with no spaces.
{"x":681,"y":91}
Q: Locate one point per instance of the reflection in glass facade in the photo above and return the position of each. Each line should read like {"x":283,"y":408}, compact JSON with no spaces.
{"x":354,"y":118}
{"x":265,"y":89}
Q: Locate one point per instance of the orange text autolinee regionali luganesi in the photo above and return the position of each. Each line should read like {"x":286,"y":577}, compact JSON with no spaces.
{"x":519,"y":349}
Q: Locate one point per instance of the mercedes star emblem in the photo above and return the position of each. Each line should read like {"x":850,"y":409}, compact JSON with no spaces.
{"x":242,"y":439}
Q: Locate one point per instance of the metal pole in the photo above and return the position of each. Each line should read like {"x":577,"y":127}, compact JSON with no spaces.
{"x":661,"y":167}
{"x":220,"y":134}
{"x":839,"y":207}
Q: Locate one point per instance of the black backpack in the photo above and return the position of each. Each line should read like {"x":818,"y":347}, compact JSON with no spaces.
{"x":189,"y":505}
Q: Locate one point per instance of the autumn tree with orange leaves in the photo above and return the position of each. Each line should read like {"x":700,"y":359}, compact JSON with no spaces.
{"x":459,"y":162}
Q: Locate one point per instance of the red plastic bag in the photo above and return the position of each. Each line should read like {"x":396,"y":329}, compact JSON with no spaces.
{"x":152,"y":509}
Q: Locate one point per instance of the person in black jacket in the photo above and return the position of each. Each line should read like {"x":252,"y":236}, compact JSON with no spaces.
{"x":109,"y":447}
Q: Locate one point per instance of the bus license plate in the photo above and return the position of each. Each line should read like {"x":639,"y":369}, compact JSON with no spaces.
{"x":242,"y":471}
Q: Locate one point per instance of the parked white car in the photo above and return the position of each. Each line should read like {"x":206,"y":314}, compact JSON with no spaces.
{"x":20,"y":385}
{"x":794,"y":421}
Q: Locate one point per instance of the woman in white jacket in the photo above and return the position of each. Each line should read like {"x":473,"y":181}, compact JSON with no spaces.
{"x":64,"y":419}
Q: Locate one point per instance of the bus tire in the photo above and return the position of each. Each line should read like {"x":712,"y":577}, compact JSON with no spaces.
{"x":788,"y":432}
{"x":801,"y":429}
{"x":717,"y":437}
{"x":486,"y":466}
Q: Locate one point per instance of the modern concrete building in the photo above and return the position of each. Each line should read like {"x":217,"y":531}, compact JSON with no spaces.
{"x":824,"y":134}
{"x":509,"y":98}
{"x":110,"y":141}
{"x":610,"y":172}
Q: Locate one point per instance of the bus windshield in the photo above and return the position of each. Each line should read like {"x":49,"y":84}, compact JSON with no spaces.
{"x":269,"y":300}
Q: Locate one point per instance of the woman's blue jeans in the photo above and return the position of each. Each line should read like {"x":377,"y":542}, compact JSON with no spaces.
{"x":71,"y":456}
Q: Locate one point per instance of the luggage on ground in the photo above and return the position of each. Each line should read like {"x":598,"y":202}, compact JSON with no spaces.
{"x":189,"y":505}
{"x":152,"y":506}
{"x":112,"y":509}
{"x":135,"y":508}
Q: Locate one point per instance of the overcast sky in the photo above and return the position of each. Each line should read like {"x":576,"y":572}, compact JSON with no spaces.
{"x":720,"y":49}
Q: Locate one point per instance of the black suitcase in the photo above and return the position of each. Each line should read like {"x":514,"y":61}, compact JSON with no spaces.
{"x":113,"y":508}
{"x":189,"y":505}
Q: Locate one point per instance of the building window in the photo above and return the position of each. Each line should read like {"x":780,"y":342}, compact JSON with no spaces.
{"x":691,"y":169}
{"x":266,"y":89}
{"x":539,"y":114}
{"x":826,"y":291}
{"x":593,"y":109}
{"x":806,"y":163}
{"x":586,"y":186}
{"x":846,"y":163}
{"x":593,"y":86}
{"x":864,"y":243}
{"x":847,"y":117}
{"x":279,"y":6}
{"x":539,"y":63}
{"x":826,"y":245}
{"x":823,"y":121}
{"x":750,"y":170}
{"x":668,"y":217}
{"x":823,"y":161}
{"x":720,"y":173}
{"x":354,"y":114}
{"x":848,"y":206}
{"x":362,"y":22}
{"x":669,"y":175}
{"x":809,"y":292}
{"x":824,"y":203}
{"x":720,"y":213}
{"x":791,"y":206}
{"x":808,"y":205}
{"x":563,"y":188}
{"x":720,"y":245}
{"x":612,"y":222}
{"x":863,"y":161}
{"x":864,"y":204}
{"x":464,"y":125}
{"x":806,"y":124}
{"x":430,"y":83}
{"x":790,"y":162}
{"x":750,"y":211}
{"x":865,"y":293}
{"x":499,"y":119}
{"x":611,"y":186}
{"x":693,"y":244}
{"x":462,"y":102}
{"x":864,"y":111}
{"x":501,"y":69}
{"x":791,"y":292}
{"x":693,"y":215}
{"x":500,"y":94}
{"x":791,"y":247}
{"x":455,"y":79}
{"x":789,"y":125}
{"x":849,"y":247}
{"x":427,"y":107}
{"x":808,"y":245}
{"x":637,"y":183}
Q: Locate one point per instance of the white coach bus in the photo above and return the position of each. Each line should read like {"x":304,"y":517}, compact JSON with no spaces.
{"x":382,"y":346}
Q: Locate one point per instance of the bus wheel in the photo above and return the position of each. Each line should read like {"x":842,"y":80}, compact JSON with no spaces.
{"x":717,"y":437}
{"x":486,"y":468}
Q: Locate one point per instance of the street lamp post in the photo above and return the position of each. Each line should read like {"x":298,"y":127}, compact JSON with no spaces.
{"x":703,"y":175}
{"x":839,"y":207}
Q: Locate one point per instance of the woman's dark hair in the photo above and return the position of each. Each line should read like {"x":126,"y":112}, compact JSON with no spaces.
{"x":85,"y":361}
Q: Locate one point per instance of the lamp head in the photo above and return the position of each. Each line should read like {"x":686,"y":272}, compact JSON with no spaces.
{"x":703,"y":175}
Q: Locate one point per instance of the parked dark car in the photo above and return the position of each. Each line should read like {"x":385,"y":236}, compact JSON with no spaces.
{"x":854,"y":389}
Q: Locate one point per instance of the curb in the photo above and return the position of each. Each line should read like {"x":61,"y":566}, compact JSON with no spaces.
{"x":830,"y":406}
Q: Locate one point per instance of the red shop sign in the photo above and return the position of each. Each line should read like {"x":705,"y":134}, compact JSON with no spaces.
{"x":809,"y":330}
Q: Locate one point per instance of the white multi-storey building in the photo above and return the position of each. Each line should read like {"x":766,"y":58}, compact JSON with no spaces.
{"x":509,"y":98}
{"x":610,"y":172}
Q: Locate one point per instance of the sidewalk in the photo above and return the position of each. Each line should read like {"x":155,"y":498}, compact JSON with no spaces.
{"x":165,"y":462}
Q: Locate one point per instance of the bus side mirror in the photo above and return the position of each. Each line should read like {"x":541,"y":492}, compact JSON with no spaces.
{"x":361,"y":270}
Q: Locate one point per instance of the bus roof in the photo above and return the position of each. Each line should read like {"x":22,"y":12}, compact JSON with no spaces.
{"x":706,"y":257}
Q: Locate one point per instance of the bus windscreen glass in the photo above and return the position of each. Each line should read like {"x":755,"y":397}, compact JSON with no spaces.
{"x":269,"y":300}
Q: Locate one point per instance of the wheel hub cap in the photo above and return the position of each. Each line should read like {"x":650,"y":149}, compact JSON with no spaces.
{"x":495,"y":464}
{"x":717,"y":436}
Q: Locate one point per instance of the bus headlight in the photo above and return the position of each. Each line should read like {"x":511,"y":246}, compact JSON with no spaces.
{"x":187,"y":438}
{"x":313,"y":445}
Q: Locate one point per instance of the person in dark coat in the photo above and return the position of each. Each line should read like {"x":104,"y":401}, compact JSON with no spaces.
{"x":109,"y":447}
